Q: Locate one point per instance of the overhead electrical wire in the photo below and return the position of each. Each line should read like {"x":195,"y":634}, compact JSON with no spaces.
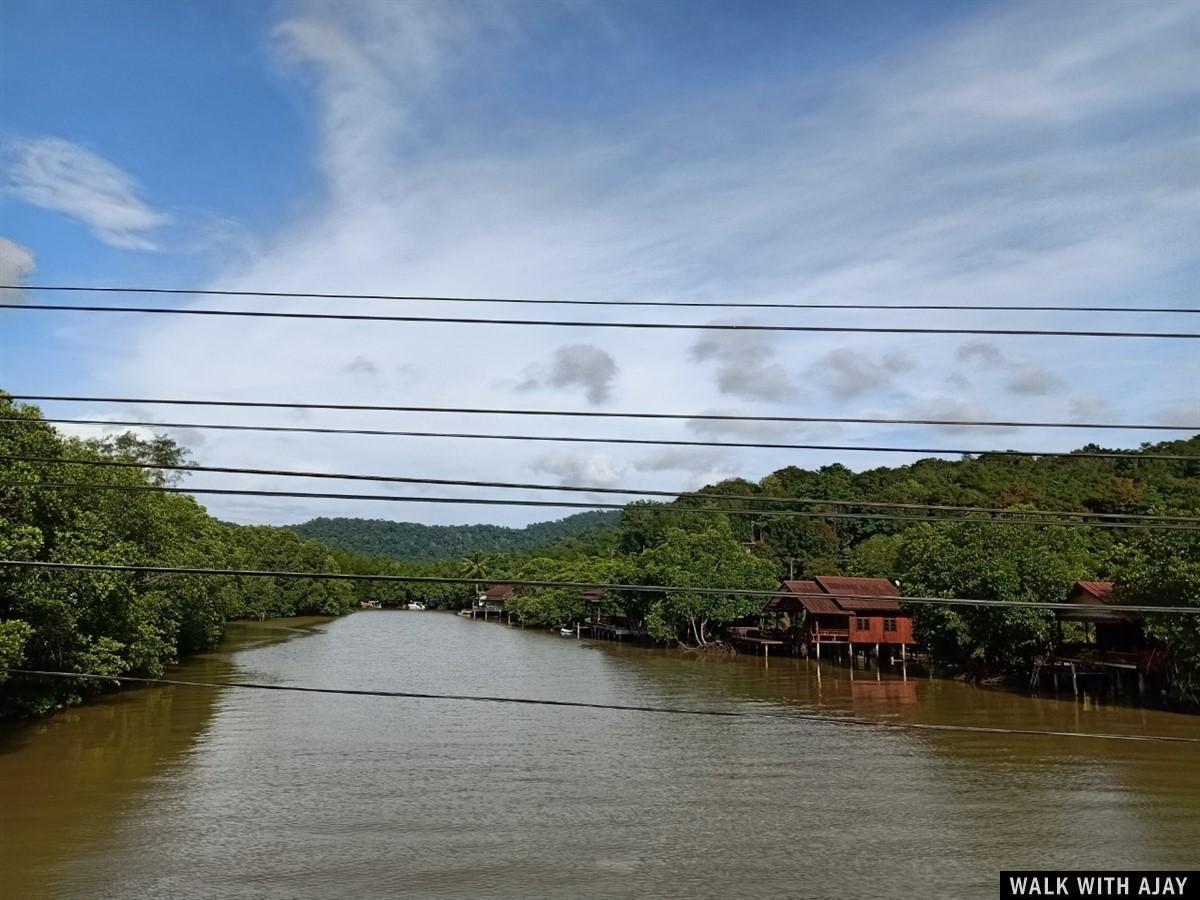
{"x":589,"y":489}
{"x":567,"y":504}
{"x":591,"y":413}
{"x":580,"y":585}
{"x":575,"y":439}
{"x":567,"y":323}
{"x":797,"y":715}
{"x":701,"y":304}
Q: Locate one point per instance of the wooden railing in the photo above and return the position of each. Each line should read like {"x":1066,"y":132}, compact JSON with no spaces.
{"x":830,"y":635}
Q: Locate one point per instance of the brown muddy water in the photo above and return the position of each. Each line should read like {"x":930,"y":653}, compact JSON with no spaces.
{"x":180,"y":792}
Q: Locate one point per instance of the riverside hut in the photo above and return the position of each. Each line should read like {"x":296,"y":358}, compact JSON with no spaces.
{"x":842,"y":612}
{"x":492,"y":600}
{"x":1098,"y":643}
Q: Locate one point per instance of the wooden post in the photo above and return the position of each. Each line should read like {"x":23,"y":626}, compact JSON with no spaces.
{"x":1074,"y":681}
{"x":818,"y":648}
{"x":902,"y":649}
{"x":877,"y":660}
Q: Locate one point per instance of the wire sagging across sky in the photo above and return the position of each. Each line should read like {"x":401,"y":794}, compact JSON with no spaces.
{"x":596,"y":489}
{"x":567,"y":323}
{"x":594,"y":413}
{"x":577,"y":439}
{"x":700,"y":304}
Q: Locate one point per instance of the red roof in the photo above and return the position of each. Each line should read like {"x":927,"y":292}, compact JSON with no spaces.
{"x":1091,"y":592}
{"x":828,"y":595}
{"x":808,"y":598}
{"x":499,"y":592}
{"x":861,"y":594}
{"x":1094,"y":598}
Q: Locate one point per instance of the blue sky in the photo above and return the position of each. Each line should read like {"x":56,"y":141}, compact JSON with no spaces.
{"x":833,"y":152}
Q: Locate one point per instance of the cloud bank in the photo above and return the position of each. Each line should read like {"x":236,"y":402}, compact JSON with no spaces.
{"x":66,"y":178}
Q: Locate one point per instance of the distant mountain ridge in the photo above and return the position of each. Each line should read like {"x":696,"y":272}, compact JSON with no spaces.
{"x":417,"y":542}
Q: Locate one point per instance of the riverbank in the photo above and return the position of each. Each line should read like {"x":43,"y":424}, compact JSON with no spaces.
{"x":919,"y":664}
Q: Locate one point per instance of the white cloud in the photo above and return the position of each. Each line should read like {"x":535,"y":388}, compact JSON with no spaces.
{"x":744,"y":365}
{"x":593,"y":470}
{"x":952,"y":410}
{"x":16,"y":264}
{"x":1090,"y":408}
{"x":1181,"y":414}
{"x":64,"y":177}
{"x":1023,"y":377}
{"x":360,"y":365}
{"x":685,"y":459}
{"x":849,"y":373}
{"x":575,"y":365}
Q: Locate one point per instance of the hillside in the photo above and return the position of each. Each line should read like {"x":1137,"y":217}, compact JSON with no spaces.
{"x":416,"y":542}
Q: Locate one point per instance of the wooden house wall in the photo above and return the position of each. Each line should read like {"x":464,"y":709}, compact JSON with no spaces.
{"x":874,"y":633}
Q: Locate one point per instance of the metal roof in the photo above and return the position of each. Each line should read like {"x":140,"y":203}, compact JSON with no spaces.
{"x":820,"y":595}
{"x":1094,"y":599}
{"x":880,"y":587}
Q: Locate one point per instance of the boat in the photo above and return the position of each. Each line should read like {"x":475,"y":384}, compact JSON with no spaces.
{"x":371,"y":604}
{"x":416,"y":606}
{"x":566,"y":631}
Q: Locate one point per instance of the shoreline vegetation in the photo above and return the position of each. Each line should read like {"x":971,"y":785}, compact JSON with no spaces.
{"x":118,"y":623}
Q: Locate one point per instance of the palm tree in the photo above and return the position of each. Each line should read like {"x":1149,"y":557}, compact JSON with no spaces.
{"x":475,"y":565}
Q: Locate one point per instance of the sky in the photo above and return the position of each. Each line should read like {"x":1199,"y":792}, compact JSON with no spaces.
{"x":827,"y":152}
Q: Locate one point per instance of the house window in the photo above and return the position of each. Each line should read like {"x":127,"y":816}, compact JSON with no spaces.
{"x":864,"y":624}
{"x":889,"y":624}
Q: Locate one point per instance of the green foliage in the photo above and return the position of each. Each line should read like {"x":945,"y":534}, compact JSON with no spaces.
{"x":114,"y":623}
{"x":559,"y":606}
{"x":1015,"y":563}
{"x":708,"y":558}
{"x":1163,"y":569}
{"x":412,"y":542}
{"x":13,"y":635}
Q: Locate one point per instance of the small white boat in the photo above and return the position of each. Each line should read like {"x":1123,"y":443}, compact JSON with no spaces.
{"x":567,"y":632}
{"x":416,"y":606}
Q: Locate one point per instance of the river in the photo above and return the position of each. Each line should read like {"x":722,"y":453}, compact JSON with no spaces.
{"x":180,"y":792}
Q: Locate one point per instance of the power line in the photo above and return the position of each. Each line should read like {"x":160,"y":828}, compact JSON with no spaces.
{"x":591,"y":413}
{"x":566,"y":504}
{"x":589,"y":489}
{"x":560,"y":323}
{"x":574,"y":439}
{"x":583,"y":704}
{"x":581,"y":585}
{"x":701,"y":304}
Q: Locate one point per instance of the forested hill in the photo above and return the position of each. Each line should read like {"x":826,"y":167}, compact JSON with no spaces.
{"x":413,"y":541}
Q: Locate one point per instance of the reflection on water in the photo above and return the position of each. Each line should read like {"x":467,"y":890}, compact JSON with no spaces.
{"x":197,"y":792}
